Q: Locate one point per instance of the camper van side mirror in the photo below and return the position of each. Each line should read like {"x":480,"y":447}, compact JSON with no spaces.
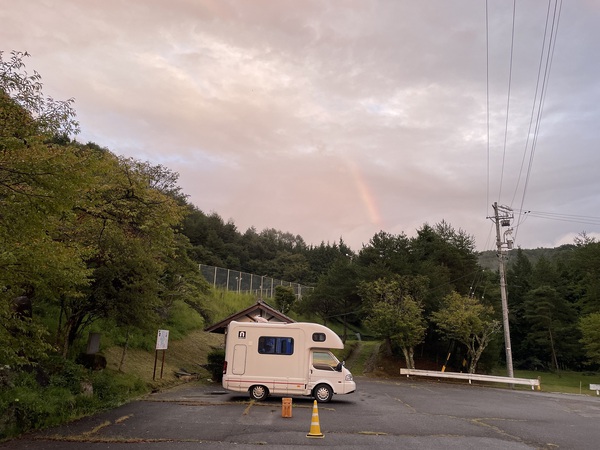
{"x":338,"y":368}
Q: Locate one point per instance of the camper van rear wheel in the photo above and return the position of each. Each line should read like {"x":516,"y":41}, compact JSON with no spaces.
{"x":258,"y":392}
{"x":322,"y":393}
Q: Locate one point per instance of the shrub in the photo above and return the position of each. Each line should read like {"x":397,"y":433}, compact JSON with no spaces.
{"x":215,"y":360}
{"x":51,"y":394}
{"x":28,"y":406}
{"x":114,"y":388}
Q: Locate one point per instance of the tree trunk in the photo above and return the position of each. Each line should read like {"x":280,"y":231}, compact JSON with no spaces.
{"x":554,"y":358}
{"x":125,"y":347}
{"x":388,"y":346}
{"x":475,"y":359}
{"x":409,"y":353}
{"x":472,"y":355}
{"x":60,"y":317}
{"x":72,"y":325}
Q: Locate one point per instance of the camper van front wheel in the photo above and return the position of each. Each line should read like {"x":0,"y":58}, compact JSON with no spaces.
{"x":322,"y":393}
{"x":258,"y":392}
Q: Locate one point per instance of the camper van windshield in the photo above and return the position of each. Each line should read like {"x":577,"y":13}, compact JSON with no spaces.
{"x":275,"y":345}
{"x":324,"y":360}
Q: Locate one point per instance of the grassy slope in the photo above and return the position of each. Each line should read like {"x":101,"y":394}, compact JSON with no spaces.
{"x":186,"y":353}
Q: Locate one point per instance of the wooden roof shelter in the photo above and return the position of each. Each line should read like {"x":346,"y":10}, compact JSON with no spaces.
{"x":259,"y":312}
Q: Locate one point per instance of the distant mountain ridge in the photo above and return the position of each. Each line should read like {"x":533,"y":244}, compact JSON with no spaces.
{"x":489,"y":259}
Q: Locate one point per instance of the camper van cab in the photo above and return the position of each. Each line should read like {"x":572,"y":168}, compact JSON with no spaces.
{"x":284,"y":359}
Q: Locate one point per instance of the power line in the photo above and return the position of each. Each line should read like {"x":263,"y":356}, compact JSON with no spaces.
{"x":573,"y":218}
{"x":548,"y":46}
{"x":512,"y":46}
{"x":544,"y":89}
{"x":487,"y":84}
{"x":533,"y":107}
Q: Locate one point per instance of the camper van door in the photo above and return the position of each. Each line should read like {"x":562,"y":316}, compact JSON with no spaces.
{"x":322,"y":369}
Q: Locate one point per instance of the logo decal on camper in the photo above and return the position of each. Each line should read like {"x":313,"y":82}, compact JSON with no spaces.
{"x":241,"y":335}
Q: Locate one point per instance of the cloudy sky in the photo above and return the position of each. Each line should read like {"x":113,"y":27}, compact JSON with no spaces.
{"x":334,"y":119}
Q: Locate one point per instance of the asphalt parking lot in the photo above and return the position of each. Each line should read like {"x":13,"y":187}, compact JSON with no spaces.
{"x":382,"y":414}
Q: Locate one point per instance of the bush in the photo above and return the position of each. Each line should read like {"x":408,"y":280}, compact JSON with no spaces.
{"x":183,"y":319}
{"x":27,"y":405}
{"x":51,"y":394}
{"x":59,"y":372}
{"x":215,"y":360}
{"x":114,"y":388}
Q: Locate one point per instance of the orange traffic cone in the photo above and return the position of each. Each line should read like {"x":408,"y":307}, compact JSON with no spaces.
{"x":315,"y":428}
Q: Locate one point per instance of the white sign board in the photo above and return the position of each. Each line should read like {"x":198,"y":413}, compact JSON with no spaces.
{"x":162,"y":340}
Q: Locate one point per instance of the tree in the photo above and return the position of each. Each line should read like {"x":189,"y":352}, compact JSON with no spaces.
{"x":320,"y":258}
{"x":384,"y":256}
{"x":469,"y":322}
{"x":447,"y":257}
{"x":590,"y":330}
{"x":46,"y":115}
{"x":518,"y":278}
{"x":128,"y":227}
{"x":23,"y":338}
{"x":553,"y":333}
{"x":394,"y":314}
{"x":290,"y":266}
{"x":585,"y":262}
{"x":335,"y":294}
{"x":40,"y":180}
{"x":284,"y":298}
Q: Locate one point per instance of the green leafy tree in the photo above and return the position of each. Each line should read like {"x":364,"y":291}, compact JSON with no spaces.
{"x":468,"y":321}
{"x":129,"y":225}
{"x":284,"y":298}
{"x":447,"y":256}
{"x":335,"y":295}
{"x":24,"y":340}
{"x":40,"y":179}
{"x":518,"y":278}
{"x":320,"y":258}
{"x":590,"y":329}
{"x":45,"y":114}
{"x":395,"y":314}
{"x":553,"y":334}
{"x":385,"y":255}
{"x":585,"y":262}
{"x":290,"y":266}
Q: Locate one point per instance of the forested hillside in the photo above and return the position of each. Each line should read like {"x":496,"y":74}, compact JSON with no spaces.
{"x":90,"y":237}
{"x":489,"y":258}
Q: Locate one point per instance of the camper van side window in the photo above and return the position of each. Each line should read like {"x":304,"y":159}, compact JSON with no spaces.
{"x":319,"y":337}
{"x":275,"y":345}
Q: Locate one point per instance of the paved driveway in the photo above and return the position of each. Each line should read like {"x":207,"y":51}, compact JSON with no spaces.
{"x":387,"y":414}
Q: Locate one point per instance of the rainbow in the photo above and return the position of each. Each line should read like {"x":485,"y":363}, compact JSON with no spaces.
{"x":365,"y":194}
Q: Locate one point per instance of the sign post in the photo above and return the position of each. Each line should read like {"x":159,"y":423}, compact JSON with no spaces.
{"x":162,"y":343}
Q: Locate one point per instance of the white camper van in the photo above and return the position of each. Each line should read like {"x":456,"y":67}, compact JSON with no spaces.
{"x":284,"y":359}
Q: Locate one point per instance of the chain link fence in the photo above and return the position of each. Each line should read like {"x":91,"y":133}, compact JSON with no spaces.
{"x":248,"y":283}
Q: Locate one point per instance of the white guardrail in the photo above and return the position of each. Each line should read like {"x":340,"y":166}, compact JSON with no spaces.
{"x":534,"y":383}
{"x":595,"y":387}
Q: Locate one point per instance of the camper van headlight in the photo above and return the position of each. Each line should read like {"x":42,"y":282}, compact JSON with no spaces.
{"x":349,"y":377}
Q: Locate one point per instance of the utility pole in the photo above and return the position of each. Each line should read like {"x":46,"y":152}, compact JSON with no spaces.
{"x":502,"y":217}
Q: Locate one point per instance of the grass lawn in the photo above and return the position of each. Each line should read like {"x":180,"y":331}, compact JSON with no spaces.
{"x":565,"y":382}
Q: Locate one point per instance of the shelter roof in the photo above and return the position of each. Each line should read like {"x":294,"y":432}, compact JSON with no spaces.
{"x":259,"y":312}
